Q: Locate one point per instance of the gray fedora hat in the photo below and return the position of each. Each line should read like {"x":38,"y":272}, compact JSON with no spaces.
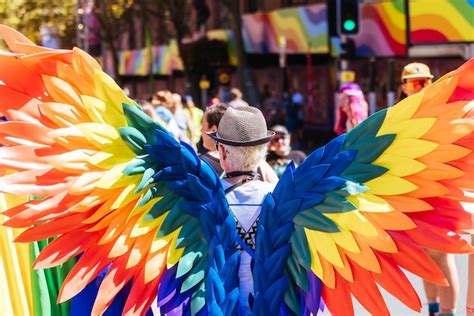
{"x":242,"y":126}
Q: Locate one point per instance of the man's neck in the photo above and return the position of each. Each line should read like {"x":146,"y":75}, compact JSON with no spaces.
{"x":236,"y":179}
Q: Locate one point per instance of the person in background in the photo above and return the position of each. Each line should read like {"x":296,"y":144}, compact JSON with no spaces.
{"x":195,"y":114}
{"x":210,"y":123}
{"x":149,"y":109}
{"x":441,"y":300}
{"x":273,"y":109}
{"x":236,"y":98}
{"x":470,"y":284}
{"x":183,"y":119}
{"x":161,"y":102}
{"x":280,"y":153}
{"x":352,"y":108}
{"x":415,"y":76}
{"x":294,"y":115}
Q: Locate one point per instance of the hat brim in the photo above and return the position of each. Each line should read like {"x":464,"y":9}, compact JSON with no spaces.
{"x":255,"y":142}
{"x":417,"y":76}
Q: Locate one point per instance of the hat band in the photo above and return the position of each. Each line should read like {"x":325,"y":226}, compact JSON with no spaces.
{"x":255,"y":142}
{"x":246,"y":144}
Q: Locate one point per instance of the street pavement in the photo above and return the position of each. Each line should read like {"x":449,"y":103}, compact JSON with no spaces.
{"x":397,"y":308}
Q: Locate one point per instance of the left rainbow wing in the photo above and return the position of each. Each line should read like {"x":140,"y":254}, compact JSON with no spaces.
{"x":117,"y":188}
{"x":370,"y":202}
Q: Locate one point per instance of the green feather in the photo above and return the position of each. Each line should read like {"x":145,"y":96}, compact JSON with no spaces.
{"x":368,"y":129}
{"x":141,"y":121}
{"x":334,"y":203}
{"x":297,"y":273}
{"x":147,"y":179}
{"x":370,"y":149}
{"x":186,"y":263}
{"x":300,"y":247}
{"x":291,"y":298}
{"x":134,"y":139}
{"x":363,"y":172}
{"x":198,"y":299}
{"x":314,"y":220}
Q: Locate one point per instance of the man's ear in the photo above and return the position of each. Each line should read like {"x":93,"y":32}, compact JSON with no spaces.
{"x":222,"y":154}
{"x":213,"y":129}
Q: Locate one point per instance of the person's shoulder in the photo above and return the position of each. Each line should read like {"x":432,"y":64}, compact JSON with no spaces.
{"x":263,"y":186}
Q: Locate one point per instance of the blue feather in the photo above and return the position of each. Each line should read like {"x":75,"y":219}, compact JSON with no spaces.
{"x":332,"y":148}
{"x":328,"y":184}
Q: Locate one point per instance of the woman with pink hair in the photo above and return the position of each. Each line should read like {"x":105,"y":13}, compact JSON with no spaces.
{"x":352,"y":108}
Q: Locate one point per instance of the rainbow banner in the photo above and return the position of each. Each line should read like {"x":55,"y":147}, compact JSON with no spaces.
{"x":137,"y":62}
{"x":382,"y":29}
{"x":441,"y":21}
{"x":226,"y":36}
{"x":166,"y":59}
{"x":304,"y":28}
{"x":134,"y":62}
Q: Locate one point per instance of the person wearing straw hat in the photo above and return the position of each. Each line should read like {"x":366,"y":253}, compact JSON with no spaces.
{"x":241,"y":139}
{"x":415,"y":77}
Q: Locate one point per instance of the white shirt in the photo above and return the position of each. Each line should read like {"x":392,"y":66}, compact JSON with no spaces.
{"x":245,"y":203}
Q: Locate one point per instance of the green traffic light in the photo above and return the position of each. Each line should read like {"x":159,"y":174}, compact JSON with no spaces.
{"x":349,"y":25}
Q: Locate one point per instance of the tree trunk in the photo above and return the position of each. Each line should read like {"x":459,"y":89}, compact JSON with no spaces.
{"x":247,"y":77}
{"x":110,"y":42}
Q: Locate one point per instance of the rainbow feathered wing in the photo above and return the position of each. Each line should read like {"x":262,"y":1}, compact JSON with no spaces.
{"x":117,"y":189}
{"x":124,"y":197}
{"x":370,"y":202}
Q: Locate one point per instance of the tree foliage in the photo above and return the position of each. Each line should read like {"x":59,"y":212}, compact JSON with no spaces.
{"x":30,"y":16}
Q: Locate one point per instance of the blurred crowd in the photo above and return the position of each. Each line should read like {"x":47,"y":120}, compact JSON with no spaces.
{"x":190,"y":124}
{"x":284,"y":115}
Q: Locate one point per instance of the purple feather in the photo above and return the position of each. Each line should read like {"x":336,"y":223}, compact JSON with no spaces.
{"x":313,"y":297}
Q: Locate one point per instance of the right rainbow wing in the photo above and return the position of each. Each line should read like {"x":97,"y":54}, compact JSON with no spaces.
{"x":369,"y":203}
{"x":116,"y":188}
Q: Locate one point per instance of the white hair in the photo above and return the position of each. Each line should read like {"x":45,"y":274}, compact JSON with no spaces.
{"x":244,"y":158}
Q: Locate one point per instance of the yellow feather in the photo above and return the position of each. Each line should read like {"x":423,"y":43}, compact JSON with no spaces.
{"x":144,"y":226}
{"x":345,"y":240}
{"x":403,"y":111}
{"x":145,"y":208}
{"x":353,"y":221}
{"x":414,"y":128}
{"x":95,"y":108}
{"x":316,"y":266}
{"x":324,"y":244}
{"x":99,"y":135}
{"x":174,"y":254}
{"x":399,"y":166}
{"x":389,"y":185}
{"x":108,"y":91}
{"x":369,"y":203}
{"x":411,"y":148}
{"x":114,"y":178}
{"x":126,"y":196}
{"x":111,"y":156}
{"x":100,"y":113}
